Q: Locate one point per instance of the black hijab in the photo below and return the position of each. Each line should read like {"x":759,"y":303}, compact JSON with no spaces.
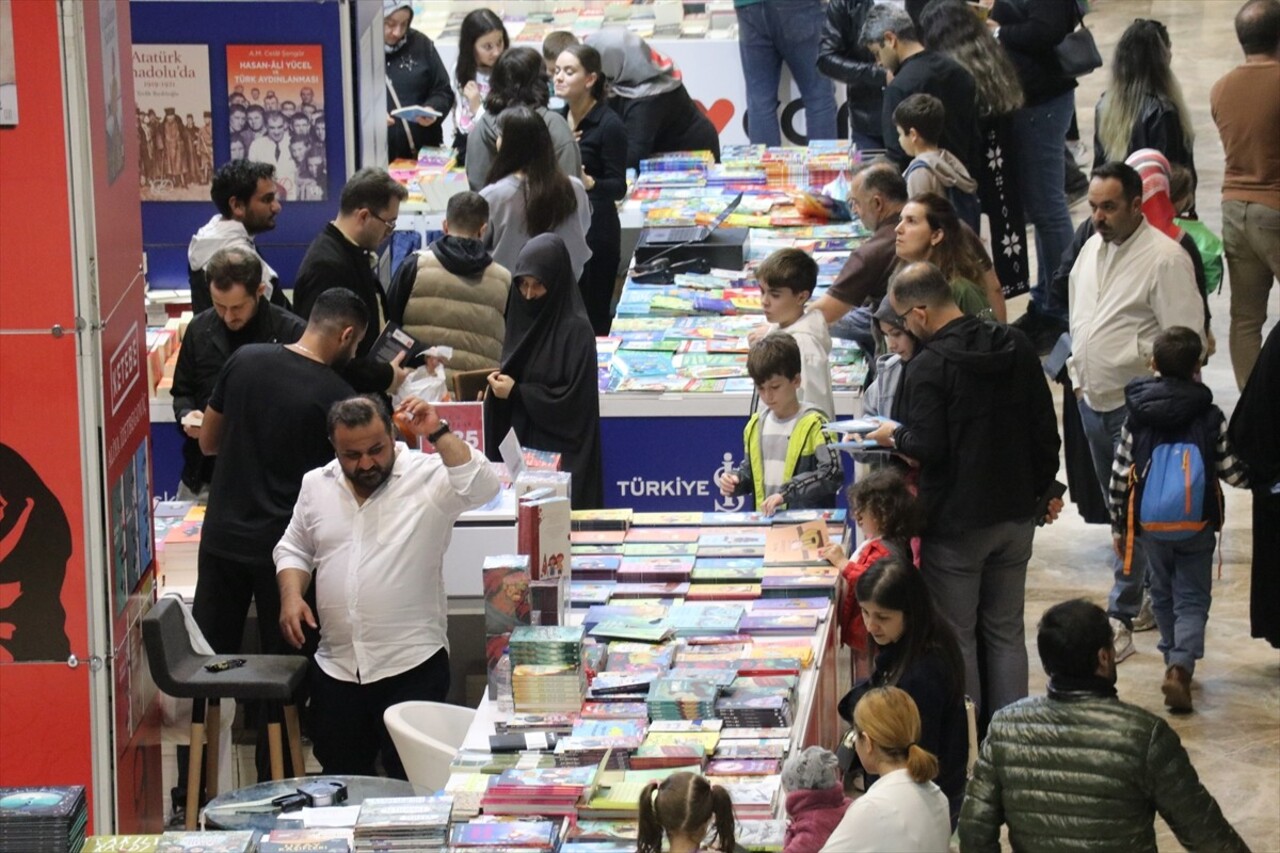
{"x":550,"y":351}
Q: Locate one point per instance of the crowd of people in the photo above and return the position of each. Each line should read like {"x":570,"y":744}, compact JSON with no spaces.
{"x":964,"y":454}
{"x":287,"y":134}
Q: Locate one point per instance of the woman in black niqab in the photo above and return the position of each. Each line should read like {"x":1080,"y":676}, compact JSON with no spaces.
{"x":546,"y":387}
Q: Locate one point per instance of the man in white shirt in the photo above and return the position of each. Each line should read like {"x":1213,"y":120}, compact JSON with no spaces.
{"x":273,"y":148}
{"x":376,"y":521}
{"x":1129,"y":283}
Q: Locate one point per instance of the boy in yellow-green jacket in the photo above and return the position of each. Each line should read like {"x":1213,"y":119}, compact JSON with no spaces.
{"x":787,"y":462}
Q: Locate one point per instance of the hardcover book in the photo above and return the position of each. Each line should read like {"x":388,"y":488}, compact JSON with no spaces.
{"x":543,"y":535}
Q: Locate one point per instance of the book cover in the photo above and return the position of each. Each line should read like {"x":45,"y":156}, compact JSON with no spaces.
{"x":392,"y":342}
{"x":543,"y":534}
{"x":743,"y":766}
{"x":415,"y":112}
{"x":120,"y":844}
{"x":306,"y":841}
{"x":666,"y":519}
{"x":796,"y":544}
{"x":646,"y":631}
{"x":206,"y":842}
{"x":660,"y":549}
{"x":600,"y":519}
{"x":662,"y":534}
{"x":722,"y":591}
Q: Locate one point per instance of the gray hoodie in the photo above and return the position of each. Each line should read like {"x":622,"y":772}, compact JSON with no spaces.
{"x":939,"y":171}
{"x":219,"y":233}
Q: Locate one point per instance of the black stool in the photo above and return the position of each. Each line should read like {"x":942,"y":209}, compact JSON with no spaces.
{"x":179,"y":671}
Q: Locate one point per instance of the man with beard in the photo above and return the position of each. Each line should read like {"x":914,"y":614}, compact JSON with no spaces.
{"x":266,"y":424}
{"x":378,"y":518}
{"x":245,"y":195}
{"x":1079,"y":769}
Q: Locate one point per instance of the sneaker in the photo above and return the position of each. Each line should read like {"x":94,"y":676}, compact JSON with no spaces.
{"x":1080,"y":152}
{"x":1146,"y":619}
{"x":1177,"y":689}
{"x":1123,"y":640}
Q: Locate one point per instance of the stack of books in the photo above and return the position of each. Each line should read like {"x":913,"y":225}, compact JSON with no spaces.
{"x":760,"y":836}
{"x":754,"y":799}
{"x":682,"y":699}
{"x":243,"y":841}
{"x":298,"y":840}
{"x":42,"y":818}
{"x":547,"y":674}
{"x":493,"y":834}
{"x":544,"y":791}
{"x":402,"y":823}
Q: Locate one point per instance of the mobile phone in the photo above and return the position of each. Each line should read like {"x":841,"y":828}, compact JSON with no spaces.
{"x":1056,"y":490}
{"x":224,"y":665}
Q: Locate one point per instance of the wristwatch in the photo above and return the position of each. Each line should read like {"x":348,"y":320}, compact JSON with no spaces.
{"x":435,"y":436}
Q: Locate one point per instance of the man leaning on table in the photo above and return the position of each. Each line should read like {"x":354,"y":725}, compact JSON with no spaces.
{"x":378,"y":519}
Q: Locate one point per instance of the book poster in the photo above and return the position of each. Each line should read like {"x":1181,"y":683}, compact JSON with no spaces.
{"x":8,"y":73}
{"x":275,"y":98}
{"x":113,"y":97}
{"x":175,"y":123}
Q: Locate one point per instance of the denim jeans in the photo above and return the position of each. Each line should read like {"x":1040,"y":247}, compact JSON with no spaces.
{"x":777,"y":31}
{"x":978,"y":582}
{"x":1251,"y":242}
{"x":1039,"y":133}
{"x":1102,"y":431}
{"x":1181,"y":576}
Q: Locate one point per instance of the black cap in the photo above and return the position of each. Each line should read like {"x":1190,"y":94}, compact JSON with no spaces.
{"x":886,"y":314}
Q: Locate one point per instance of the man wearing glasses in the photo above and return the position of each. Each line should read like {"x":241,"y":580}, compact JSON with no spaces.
{"x":344,"y":254}
{"x":974,"y":412}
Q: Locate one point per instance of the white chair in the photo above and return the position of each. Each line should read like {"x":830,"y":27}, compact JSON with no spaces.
{"x":426,"y":757}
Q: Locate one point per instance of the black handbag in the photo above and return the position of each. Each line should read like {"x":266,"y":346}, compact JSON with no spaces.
{"x":1078,"y":53}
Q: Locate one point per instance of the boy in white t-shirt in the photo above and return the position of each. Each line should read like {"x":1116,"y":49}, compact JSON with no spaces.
{"x":787,"y":279}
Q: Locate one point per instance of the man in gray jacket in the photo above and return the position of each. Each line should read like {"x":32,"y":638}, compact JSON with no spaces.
{"x":1080,"y":770}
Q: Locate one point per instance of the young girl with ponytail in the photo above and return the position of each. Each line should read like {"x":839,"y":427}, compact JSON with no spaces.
{"x":903,"y":811}
{"x":682,"y":807}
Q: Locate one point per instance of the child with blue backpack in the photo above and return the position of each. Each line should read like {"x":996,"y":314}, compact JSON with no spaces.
{"x":1164,"y":487}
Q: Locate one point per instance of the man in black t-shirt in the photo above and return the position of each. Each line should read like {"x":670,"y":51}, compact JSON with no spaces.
{"x":266,"y":422}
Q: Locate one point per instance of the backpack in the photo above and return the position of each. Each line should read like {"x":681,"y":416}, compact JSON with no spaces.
{"x":967,"y":206}
{"x":1173,"y":484}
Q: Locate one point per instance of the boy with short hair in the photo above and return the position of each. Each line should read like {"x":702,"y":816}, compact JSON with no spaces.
{"x":919,"y":119}
{"x":786,"y":459}
{"x":787,"y":279}
{"x":1171,"y":421}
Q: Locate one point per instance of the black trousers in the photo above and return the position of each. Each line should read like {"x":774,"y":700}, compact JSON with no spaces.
{"x":224,"y":589}
{"x":346,"y":722}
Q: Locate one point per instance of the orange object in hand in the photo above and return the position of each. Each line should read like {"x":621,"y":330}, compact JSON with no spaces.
{"x":406,"y":425}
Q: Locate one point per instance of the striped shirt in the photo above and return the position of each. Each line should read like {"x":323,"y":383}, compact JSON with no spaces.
{"x":775,"y":434}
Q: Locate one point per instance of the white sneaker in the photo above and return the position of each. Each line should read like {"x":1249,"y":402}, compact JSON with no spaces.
{"x":1146,"y":618}
{"x":1123,"y":640}
{"x":1080,"y":152}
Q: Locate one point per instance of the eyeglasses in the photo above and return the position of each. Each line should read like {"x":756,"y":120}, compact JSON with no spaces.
{"x":902,"y":318}
{"x":391,"y":224}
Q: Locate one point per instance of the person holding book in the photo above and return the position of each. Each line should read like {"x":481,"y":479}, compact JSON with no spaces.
{"x":416,"y":77}
{"x":787,"y":461}
{"x":378,"y":518}
{"x":787,"y":279}
{"x":917,"y":652}
{"x":454,"y":293}
{"x":903,"y":810}
{"x":680,"y":810}
{"x":815,"y":799}
{"x":546,"y":386}
{"x":341,"y":255}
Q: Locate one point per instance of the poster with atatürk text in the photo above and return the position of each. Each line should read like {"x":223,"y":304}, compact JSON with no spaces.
{"x":175,"y":123}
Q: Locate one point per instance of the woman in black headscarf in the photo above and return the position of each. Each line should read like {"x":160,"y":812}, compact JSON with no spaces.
{"x":546,"y":386}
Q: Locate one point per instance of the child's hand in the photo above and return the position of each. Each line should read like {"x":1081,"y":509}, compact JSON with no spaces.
{"x":771,"y":504}
{"x":834,"y":554}
{"x":728,"y":482}
{"x":754,"y":336}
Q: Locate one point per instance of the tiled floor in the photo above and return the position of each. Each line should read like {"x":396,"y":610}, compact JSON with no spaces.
{"x":1234,"y":735}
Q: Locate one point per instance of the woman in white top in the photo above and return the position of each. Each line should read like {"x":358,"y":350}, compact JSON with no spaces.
{"x":903,"y":811}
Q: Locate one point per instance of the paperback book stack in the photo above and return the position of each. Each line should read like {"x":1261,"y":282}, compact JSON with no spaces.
{"x":543,"y":791}
{"x":241,"y":841}
{"x":315,"y":840}
{"x":387,"y":824}
{"x":754,"y":708}
{"x":39,"y":819}
{"x":547,"y":674}
{"x":494,"y":834}
{"x":682,"y":699}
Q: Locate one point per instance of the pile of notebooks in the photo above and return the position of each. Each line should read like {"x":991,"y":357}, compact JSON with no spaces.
{"x":43,"y":818}
{"x":543,"y":791}
{"x":402,"y":823}
{"x":492,"y":834}
{"x":547,"y":673}
{"x":682,"y":699}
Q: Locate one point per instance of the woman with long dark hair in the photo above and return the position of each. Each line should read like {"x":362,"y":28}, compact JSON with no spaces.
{"x":917,"y":652}
{"x":519,"y":80}
{"x":482,"y":38}
{"x":1143,"y":106}
{"x":529,"y":194}
{"x":929,"y":230}
{"x":602,"y":142}
{"x":950,"y":27}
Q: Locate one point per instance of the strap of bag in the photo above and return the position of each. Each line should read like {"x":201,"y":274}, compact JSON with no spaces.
{"x":1130,"y":524}
{"x":408,"y":132}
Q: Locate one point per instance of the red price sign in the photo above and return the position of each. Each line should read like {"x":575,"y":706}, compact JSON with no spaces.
{"x":466,"y":421}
